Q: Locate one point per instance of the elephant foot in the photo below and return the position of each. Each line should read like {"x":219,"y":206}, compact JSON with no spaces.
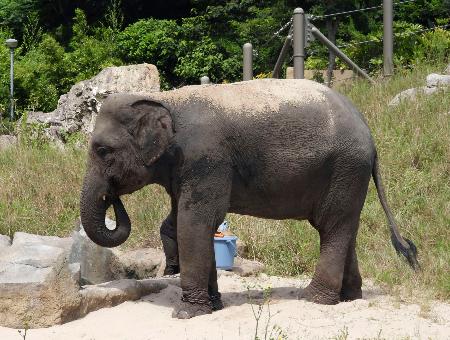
{"x":187,"y":310}
{"x":216,"y":301}
{"x":350,"y":294}
{"x":171,"y":270}
{"x":321,"y":296}
{"x":193,"y":303}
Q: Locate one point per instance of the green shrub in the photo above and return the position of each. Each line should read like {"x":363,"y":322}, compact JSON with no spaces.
{"x":435,"y":45}
{"x":151,"y":41}
{"x":38,"y":75}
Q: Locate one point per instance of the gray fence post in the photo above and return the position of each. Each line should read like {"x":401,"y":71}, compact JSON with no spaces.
{"x":388,"y":44}
{"x":12,"y":44}
{"x":247,"y":68}
{"x":205,"y":80}
{"x":339,"y":53}
{"x":282,"y":56}
{"x":299,"y":43}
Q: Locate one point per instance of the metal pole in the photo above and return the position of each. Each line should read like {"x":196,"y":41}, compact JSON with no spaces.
{"x":281,"y":57}
{"x":299,"y":43}
{"x":340,"y":54}
{"x":247,"y":68}
{"x":388,"y":37}
{"x":205,"y":80}
{"x":11,"y":79}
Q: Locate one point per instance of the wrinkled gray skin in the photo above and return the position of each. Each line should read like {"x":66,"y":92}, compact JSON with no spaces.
{"x":275,"y":149}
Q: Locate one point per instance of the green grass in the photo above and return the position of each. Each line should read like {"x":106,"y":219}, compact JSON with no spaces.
{"x":40,"y":185}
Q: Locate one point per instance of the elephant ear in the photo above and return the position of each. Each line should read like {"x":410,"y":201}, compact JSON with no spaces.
{"x":152,"y":129}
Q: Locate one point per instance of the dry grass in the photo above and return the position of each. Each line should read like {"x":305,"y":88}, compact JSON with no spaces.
{"x":39,"y":192}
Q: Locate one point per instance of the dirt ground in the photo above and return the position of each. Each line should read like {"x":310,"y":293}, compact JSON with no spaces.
{"x":283,"y":316}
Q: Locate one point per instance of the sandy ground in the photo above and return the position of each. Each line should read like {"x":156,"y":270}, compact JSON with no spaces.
{"x":377,"y":316}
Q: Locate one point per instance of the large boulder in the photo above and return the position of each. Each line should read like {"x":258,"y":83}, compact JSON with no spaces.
{"x":78,"y":109}
{"x":41,"y":278}
{"x":37,"y":286}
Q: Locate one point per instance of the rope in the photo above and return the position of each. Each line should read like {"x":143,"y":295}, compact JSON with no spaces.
{"x":277,"y":33}
{"x":320,"y":17}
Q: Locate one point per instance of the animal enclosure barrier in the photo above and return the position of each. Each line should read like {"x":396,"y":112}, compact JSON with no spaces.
{"x":302,"y":31}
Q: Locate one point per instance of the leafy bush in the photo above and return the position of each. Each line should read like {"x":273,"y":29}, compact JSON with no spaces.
{"x":38,"y":75}
{"x":44,"y":69}
{"x":151,"y":41}
{"x":435,"y":45}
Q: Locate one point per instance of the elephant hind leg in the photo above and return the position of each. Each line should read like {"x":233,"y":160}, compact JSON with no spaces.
{"x":337,"y":220}
{"x":168,"y":234}
{"x":352,"y":282}
{"x":327,"y":282}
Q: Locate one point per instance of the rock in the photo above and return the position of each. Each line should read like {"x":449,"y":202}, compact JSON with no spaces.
{"x":40,"y":286}
{"x":35,"y":255}
{"x":37,"y":289}
{"x":136,"y":264}
{"x":5,"y":242}
{"x":411,"y":94}
{"x":78,"y":109}
{"x":21,"y":238}
{"x":434,"y":80}
{"x":7,"y":141}
{"x":245,"y":267}
{"x":95,"y":261}
{"x":113,"y":293}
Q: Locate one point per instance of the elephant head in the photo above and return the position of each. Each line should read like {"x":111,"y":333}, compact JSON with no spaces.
{"x":131,"y":133}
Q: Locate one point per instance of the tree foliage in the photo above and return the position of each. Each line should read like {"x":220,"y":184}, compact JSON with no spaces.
{"x":62,"y":41}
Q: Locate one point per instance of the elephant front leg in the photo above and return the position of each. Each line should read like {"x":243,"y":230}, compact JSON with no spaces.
{"x":196,"y":254}
{"x":202,"y":207}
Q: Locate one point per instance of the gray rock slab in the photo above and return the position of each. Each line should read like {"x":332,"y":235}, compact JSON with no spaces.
{"x":411,"y":94}
{"x":36,"y":255}
{"x":435,"y":79}
{"x":111,"y":294}
{"x":21,"y":238}
{"x":95,"y":261}
{"x":5,"y":242}
{"x":19,"y":274}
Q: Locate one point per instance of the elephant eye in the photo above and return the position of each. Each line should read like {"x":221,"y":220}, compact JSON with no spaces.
{"x":102,"y":151}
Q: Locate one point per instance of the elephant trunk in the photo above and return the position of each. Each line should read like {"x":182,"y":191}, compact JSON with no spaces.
{"x":93,"y":206}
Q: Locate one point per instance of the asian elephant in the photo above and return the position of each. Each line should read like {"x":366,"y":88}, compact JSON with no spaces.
{"x":277,"y":149}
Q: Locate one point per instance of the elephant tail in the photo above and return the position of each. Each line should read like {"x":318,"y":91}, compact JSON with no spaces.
{"x":402,"y":245}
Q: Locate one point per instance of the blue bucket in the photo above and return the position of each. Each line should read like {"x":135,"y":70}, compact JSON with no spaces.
{"x":225,"y":251}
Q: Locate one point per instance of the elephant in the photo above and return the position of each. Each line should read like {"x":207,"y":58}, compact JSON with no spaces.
{"x":270,"y":148}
